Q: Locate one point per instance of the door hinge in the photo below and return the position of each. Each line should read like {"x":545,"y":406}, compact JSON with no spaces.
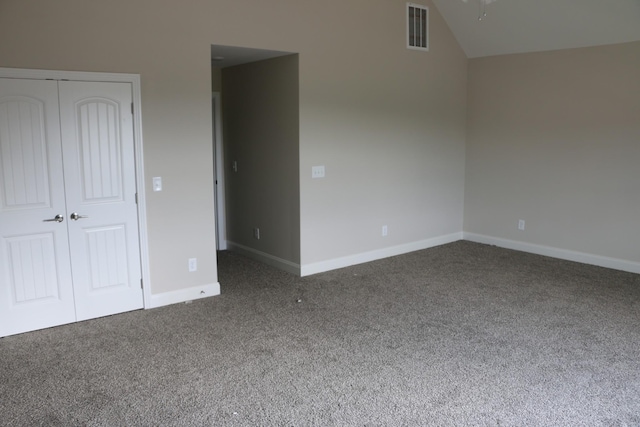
{"x":132,"y":108}
{"x":136,"y":198}
{"x":141,"y":285}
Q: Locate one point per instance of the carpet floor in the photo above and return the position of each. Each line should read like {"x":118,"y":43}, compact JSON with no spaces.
{"x":459,"y":335}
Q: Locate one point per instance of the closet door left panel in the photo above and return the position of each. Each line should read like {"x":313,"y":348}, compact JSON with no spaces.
{"x":36,"y":289}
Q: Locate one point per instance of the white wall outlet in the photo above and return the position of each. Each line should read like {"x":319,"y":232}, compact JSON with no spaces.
{"x":256,"y":233}
{"x":521,"y":224}
{"x":157,"y":183}
{"x":193,"y":264}
{"x":385,"y":230}
{"x":317,"y":172}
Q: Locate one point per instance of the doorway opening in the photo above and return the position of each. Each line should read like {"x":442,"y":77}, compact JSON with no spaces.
{"x":255,"y":105}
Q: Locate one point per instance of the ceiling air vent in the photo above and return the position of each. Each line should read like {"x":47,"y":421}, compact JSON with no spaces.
{"x":417,"y":27}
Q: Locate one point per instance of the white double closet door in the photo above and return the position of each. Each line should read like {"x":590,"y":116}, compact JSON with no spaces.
{"x":69,"y":248}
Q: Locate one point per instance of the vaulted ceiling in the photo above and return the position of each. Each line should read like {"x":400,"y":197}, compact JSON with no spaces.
{"x":516,"y":26}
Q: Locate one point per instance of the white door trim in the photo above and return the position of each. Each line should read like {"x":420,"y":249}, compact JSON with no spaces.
{"x":218,"y":167}
{"x":134,"y":79}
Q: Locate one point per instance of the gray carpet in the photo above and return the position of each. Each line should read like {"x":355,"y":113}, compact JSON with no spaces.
{"x":459,"y":335}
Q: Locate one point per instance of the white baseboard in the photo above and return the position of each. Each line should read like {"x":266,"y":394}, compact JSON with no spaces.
{"x":265,"y":258}
{"x":335,"y":263}
{"x":585,"y":258}
{"x":332,"y":264}
{"x":183,"y":295}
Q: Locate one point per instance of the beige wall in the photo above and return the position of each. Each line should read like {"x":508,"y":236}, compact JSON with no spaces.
{"x":261,"y":134}
{"x":388,"y":123}
{"x":554,"y":138}
{"x":154,"y":41}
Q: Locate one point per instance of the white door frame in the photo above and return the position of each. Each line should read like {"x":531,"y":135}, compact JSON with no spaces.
{"x":218,"y":168}
{"x":134,"y":79}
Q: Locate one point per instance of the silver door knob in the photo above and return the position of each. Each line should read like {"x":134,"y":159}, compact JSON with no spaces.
{"x":76,"y":216}
{"x":57,"y":218}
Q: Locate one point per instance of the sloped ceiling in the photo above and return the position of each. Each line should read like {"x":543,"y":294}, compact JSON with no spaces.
{"x":517,"y":26}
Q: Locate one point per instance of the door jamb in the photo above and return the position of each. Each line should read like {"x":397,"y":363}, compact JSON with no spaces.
{"x":134,"y":80}
{"x":218,"y":167}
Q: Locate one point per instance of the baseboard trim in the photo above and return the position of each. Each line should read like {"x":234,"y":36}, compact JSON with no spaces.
{"x":332,"y":264}
{"x":335,"y":263}
{"x":265,"y":258}
{"x":183,"y":295}
{"x":568,"y":255}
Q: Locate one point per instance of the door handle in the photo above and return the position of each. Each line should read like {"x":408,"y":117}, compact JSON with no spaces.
{"x":57,"y":218}
{"x":76,"y":216}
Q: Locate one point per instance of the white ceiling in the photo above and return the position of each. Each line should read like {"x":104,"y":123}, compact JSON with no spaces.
{"x":516,"y":26}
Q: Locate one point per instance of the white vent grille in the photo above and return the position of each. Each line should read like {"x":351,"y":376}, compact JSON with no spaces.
{"x":417,"y":27}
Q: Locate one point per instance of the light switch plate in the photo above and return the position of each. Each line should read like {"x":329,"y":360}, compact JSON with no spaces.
{"x":157,"y":183}
{"x":317,"y":172}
